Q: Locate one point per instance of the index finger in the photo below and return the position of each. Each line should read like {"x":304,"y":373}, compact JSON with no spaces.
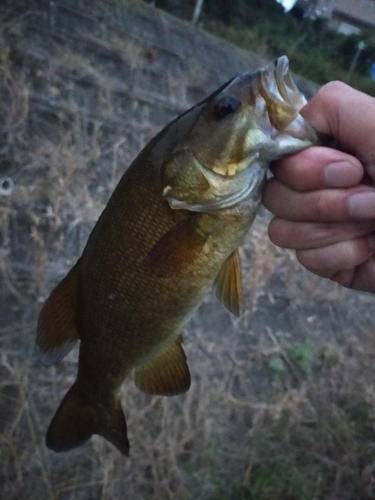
{"x":318,"y":168}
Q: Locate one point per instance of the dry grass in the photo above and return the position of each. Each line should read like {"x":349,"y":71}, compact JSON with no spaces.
{"x":282,"y":399}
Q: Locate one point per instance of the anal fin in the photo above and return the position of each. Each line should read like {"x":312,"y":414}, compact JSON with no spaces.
{"x":167,"y":373}
{"x":227,"y":286}
{"x":57,"y":330}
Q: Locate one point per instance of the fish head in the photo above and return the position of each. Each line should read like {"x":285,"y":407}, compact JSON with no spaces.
{"x":243,"y":126}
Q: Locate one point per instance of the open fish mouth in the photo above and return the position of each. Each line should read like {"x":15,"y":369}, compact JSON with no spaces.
{"x":251,"y":121}
{"x":284,"y":101}
{"x":277,"y":86}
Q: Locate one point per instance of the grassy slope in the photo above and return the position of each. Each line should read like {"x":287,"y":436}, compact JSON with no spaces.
{"x":282,"y":400}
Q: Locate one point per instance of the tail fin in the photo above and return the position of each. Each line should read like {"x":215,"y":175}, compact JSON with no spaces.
{"x":77,"y":419}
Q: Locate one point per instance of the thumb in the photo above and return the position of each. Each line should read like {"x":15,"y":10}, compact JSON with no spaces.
{"x":349,"y":116}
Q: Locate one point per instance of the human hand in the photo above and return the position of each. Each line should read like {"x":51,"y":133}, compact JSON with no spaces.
{"x":323,"y":209}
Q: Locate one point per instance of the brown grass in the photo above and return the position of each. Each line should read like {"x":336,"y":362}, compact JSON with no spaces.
{"x":282,"y":399}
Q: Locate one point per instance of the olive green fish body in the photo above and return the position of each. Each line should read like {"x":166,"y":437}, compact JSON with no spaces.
{"x":144,"y":275}
{"x":170,"y":233}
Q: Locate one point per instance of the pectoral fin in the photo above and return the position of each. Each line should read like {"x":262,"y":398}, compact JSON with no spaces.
{"x":227,"y":285}
{"x":167,"y":373}
{"x":178,"y":248}
{"x":57,"y":330}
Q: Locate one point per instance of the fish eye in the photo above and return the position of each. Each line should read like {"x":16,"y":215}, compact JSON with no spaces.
{"x":225,"y":105}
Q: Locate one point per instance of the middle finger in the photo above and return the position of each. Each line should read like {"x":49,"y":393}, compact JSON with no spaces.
{"x":325,"y":205}
{"x":309,"y":235}
{"x":318,"y":168}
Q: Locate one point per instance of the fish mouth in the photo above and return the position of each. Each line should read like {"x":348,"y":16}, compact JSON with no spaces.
{"x":281,"y":95}
{"x":284,"y":101}
{"x":286,"y":85}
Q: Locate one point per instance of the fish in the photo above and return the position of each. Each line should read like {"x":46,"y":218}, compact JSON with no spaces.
{"x":169,"y":234}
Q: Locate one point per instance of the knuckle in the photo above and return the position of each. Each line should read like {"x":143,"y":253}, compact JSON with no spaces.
{"x":320,"y":208}
{"x":328,"y":205}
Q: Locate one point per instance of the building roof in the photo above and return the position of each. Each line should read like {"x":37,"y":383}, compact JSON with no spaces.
{"x":357,"y":12}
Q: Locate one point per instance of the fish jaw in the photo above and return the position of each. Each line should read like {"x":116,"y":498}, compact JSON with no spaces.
{"x":226,"y":156}
{"x":248,"y":183}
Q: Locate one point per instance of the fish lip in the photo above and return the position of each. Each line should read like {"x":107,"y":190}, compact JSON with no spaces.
{"x":286,"y":85}
{"x":278,"y":89}
{"x":297,"y":128}
{"x":280,"y":72}
{"x":282,"y":64}
{"x":282,"y":78}
{"x":281,"y":69}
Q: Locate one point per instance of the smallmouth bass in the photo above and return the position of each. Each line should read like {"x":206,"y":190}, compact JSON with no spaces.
{"x":169,"y":233}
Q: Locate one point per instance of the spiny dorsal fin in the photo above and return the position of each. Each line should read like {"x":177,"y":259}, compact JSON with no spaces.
{"x":227,"y":285}
{"x":167,"y":373}
{"x":57,"y":330}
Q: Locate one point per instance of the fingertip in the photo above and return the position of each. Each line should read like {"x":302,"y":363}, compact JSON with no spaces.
{"x":361,"y":205}
{"x":341,"y":174}
{"x":318,"y":168}
{"x":283,"y":233}
{"x":273,"y":230}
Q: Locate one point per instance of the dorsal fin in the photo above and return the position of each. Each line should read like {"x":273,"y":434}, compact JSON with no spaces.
{"x":227,"y":286}
{"x":57,"y":330}
{"x":167,"y":373}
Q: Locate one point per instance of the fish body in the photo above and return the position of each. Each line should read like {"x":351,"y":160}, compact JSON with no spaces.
{"x":169,"y":233}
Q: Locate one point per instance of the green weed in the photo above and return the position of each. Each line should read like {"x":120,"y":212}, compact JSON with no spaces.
{"x":276,"y":364}
{"x":304,"y":357}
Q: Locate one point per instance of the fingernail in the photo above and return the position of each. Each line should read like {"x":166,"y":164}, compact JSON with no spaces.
{"x":362,"y":205}
{"x":341,"y":174}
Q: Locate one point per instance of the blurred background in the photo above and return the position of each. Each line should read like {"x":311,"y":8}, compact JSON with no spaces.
{"x":282,"y":399}
{"x":324,"y":39}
